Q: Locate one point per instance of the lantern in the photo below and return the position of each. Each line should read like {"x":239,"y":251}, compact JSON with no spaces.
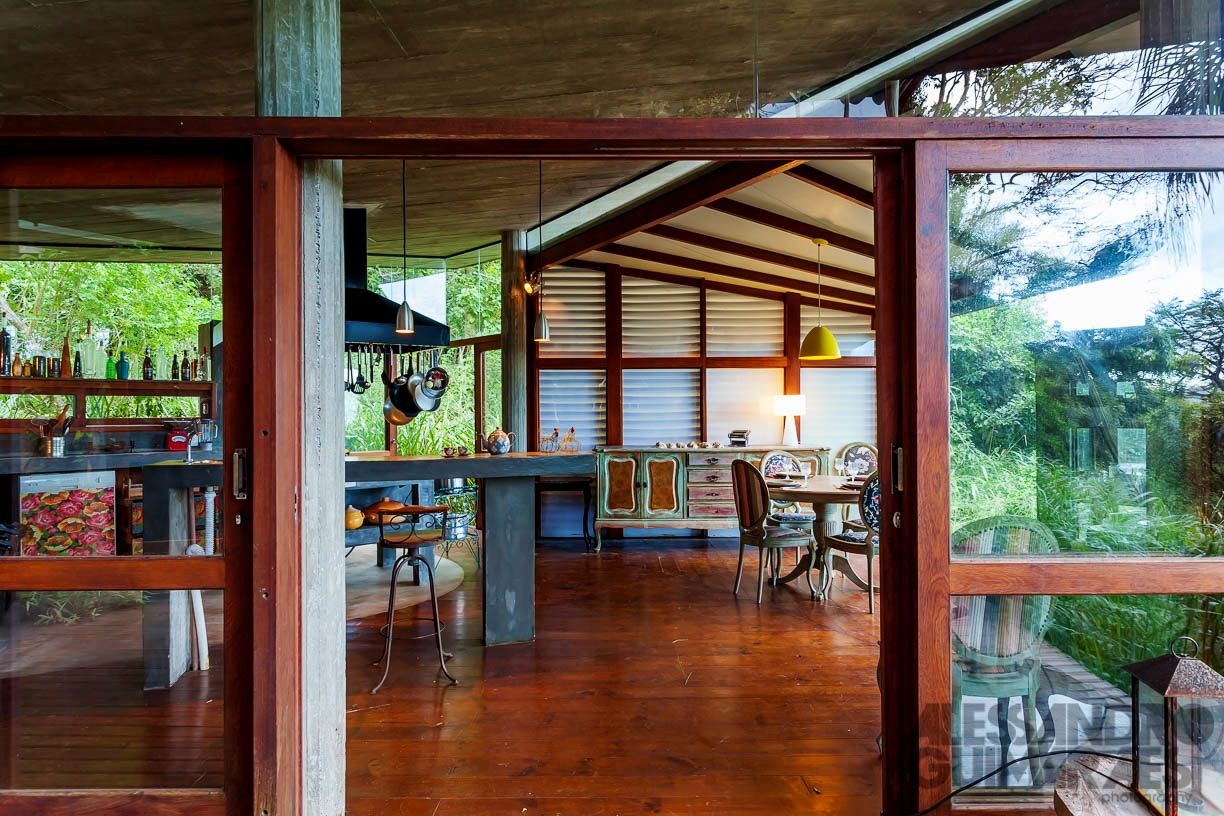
{"x":1176,"y":732}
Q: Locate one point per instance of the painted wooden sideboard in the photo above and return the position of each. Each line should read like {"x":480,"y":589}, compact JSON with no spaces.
{"x":686,"y":488}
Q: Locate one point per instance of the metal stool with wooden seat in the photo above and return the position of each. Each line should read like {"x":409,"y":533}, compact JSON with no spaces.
{"x":411,"y":538}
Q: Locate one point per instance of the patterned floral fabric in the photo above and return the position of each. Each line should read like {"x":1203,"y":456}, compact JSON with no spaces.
{"x":68,"y":522}
{"x":859,"y":460}
{"x":870,"y":508}
{"x":778,"y":464}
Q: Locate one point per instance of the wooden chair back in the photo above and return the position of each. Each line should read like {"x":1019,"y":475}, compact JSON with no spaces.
{"x":1001,"y":631}
{"x":751,"y":497}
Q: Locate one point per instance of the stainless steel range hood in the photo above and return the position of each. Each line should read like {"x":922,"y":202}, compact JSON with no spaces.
{"x":369,"y":318}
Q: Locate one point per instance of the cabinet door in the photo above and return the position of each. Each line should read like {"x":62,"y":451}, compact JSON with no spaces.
{"x":663,"y":485}
{"x":618,"y":486}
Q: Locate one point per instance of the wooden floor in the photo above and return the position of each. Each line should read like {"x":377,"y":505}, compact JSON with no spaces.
{"x":650,"y":689}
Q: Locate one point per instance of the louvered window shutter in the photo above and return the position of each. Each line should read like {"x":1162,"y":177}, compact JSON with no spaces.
{"x":853,"y":331}
{"x":742,"y":326}
{"x":661,"y":405}
{"x":841,"y":406}
{"x":574,"y":303}
{"x":577,"y":398}
{"x":743,"y":398}
{"x":660,"y":319}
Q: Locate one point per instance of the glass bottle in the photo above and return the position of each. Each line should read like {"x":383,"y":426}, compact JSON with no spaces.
{"x":112,"y":372}
{"x":77,"y":371}
{"x":146,"y":370}
{"x":185,"y":368}
{"x":174,"y":372}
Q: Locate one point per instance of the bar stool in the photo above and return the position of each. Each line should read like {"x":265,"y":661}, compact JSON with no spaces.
{"x":410,"y":541}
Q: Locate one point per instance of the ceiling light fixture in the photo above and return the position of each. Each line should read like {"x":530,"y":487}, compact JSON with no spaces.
{"x":819,"y":344}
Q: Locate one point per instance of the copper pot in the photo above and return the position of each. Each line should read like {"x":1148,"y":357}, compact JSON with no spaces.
{"x":385,"y":503}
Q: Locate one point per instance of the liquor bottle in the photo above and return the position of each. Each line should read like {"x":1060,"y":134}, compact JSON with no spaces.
{"x":6,"y":352}
{"x":77,"y":371}
{"x":195,"y":368}
{"x":147,"y":368}
{"x":65,"y":360}
{"x":112,"y":372}
{"x":124,"y":367}
{"x":15,"y":366}
{"x":185,"y":368}
{"x":174,"y":372}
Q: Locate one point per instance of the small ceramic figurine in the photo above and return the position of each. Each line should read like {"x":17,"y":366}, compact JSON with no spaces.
{"x":498,"y":441}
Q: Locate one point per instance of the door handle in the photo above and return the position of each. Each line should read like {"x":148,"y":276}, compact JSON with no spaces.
{"x":240,"y":473}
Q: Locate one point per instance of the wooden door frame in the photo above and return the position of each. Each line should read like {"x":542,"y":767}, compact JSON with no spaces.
{"x":937,"y":576}
{"x":922,"y":148}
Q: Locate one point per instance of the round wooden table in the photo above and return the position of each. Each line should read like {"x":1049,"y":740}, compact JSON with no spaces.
{"x":827,"y":497}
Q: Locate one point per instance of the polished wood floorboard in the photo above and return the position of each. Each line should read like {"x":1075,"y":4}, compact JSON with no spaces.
{"x":650,"y":689}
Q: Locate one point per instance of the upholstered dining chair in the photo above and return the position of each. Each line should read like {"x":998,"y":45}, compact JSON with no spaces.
{"x":752,"y":512}
{"x":409,"y":529}
{"x":997,"y":639}
{"x":860,"y":537}
{"x":776,"y":463}
{"x":856,"y":460}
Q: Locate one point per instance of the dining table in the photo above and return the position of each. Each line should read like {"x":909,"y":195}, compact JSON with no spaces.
{"x":827,"y":495}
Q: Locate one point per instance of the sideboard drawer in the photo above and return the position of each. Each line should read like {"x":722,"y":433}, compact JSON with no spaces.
{"x":706,"y":493}
{"x":711,"y":509}
{"x":700,"y":476}
{"x":706,"y":459}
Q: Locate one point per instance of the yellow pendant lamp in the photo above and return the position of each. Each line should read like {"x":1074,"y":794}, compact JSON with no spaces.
{"x":819,"y":344}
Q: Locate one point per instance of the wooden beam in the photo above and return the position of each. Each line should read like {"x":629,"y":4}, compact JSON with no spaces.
{"x":1085,"y":575}
{"x":706,"y":188}
{"x":145,"y":572}
{"x":141,"y":802}
{"x":728,"y":271}
{"x":768,"y":218}
{"x":747,"y":291}
{"x":770,"y":256}
{"x":832,"y":184}
{"x":614,"y":354}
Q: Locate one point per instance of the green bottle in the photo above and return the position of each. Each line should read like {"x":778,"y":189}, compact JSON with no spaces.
{"x":111,"y":372}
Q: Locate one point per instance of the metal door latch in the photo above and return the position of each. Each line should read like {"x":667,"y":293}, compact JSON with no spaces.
{"x":240,"y":473}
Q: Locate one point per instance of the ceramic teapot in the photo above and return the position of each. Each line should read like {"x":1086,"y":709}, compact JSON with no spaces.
{"x":498,"y":441}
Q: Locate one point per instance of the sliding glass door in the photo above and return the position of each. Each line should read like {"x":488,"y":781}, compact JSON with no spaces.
{"x":1069,"y":320}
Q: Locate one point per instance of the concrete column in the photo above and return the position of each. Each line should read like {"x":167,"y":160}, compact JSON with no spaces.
{"x":298,"y":74}
{"x":514,"y":336}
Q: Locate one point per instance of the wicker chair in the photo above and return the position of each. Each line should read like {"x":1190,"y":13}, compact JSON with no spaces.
{"x":997,"y":639}
{"x":752,"y":511}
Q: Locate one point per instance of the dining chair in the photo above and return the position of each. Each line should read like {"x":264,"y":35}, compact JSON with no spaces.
{"x":752,"y":511}
{"x":856,"y":459}
{"x":410,"y":528}
{"x":997,"y":639}
{"x":860,"y":537}
{"x":786,"y":513}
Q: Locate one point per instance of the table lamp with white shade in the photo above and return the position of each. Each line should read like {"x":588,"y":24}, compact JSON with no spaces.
{"x":789,"y":406}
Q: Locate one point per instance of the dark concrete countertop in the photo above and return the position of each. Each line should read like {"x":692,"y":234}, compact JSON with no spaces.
{"x":477,"y":466}
{"x":26,"y":465}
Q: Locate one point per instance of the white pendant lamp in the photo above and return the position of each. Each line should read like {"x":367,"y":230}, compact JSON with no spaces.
{"x":819,"y":344}
{"x":405,"y":323}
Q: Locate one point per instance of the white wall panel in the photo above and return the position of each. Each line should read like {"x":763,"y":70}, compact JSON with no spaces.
{"x":743,"y":398}
{"x":841,"y":406}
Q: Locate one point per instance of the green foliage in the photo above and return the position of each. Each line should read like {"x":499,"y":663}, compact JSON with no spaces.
{"x":70,"y":607}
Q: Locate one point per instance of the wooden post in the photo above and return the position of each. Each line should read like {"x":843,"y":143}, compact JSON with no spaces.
{"x":514,"y":336}
{"x":297,"y":47}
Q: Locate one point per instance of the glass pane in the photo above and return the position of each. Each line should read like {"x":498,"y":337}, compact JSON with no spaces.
{"x":740,"y":326}
{"x":661,"y":405}
{"x":454,"y":421}
{"x":111,"y":335}
{"x":1166,"y":59}
{"x":660,"y":319}
{"x":1037,"y":674}
{"x":493,"y":390}
{"x":841,"y":406}
{"x":1085,"y":360}
{"x":577,"y":401}
{"x":574,"y":304}
{"x":738,"y":398}
{"x":112,"y":689}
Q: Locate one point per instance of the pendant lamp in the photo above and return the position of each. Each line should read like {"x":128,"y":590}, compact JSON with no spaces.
{"x":534,"y":284}
{"x":819,"y":344}
{"x":404,"y":321}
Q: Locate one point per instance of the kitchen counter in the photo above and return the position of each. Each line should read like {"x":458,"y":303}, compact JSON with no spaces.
{"x":25,"y":465}
{"x":369,"y":468}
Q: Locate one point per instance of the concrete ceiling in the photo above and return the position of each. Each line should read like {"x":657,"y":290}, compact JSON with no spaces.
{"x":546,"y":58}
